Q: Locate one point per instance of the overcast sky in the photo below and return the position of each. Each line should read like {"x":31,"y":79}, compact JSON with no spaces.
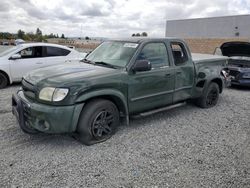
{"x":108,"y":18}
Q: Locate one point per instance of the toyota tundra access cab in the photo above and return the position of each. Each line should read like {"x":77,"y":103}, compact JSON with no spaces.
{"x":120,"y":78}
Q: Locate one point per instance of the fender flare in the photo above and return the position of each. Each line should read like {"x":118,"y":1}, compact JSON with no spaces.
{"x":114,"y":95}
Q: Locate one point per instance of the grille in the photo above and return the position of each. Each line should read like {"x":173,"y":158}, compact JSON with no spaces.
{"x":28,"y":89}
{"x":234,"y":73}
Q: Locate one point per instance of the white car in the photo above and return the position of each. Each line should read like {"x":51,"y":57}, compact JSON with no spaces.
{"x":19,"y":60}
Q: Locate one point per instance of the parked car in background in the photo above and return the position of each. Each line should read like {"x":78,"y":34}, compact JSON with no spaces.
{"x":19,"y":41}
{"x":5,"y":43}
{"x":239,"y":62}
{"x":19,"y":60}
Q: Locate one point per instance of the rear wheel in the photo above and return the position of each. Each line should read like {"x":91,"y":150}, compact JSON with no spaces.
{"x":3,"y":81}
{"x":97,"y":122}
{"x":210,"y":96}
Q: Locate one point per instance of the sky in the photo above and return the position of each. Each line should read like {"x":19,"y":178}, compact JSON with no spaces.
{"x":108,"y":18}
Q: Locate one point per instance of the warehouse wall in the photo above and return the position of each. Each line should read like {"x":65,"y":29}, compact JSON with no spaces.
{"x":208,"y":45}
{"x":215,"y":27}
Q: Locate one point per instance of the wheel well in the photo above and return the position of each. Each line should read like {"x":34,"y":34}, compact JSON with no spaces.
{"x":5,"y":74}
{"x":219,"y":82}
{"x":201,"y":84}
{"x":116,"y":100}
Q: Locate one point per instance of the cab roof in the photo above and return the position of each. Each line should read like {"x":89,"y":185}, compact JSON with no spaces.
{"x":143,"y":39}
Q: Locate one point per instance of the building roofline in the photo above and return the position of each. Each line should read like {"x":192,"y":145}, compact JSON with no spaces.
{"x":209,"y":17}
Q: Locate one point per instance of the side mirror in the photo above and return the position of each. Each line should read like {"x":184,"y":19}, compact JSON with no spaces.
{"x":88,"y":54}
{"x":217,"y":51}
{"x":142,"y":65}
{"x":15,"y":56}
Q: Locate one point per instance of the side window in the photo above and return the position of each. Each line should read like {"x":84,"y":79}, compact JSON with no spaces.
{"x":32,"y":52}
{"x":55,"y":51}
{"x":155,"y":53}
{"x":27,"y":53}
{"x":179,"y":53}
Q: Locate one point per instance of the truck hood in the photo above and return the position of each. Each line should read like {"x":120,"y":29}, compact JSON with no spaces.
{"x":232,"y":49}
{"x":65,"y":73}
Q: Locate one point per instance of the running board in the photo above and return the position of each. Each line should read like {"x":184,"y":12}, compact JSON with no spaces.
{"x":143,"y":114}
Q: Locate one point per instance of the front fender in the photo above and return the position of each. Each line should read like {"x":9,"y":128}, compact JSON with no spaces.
{"x":120,"y":98}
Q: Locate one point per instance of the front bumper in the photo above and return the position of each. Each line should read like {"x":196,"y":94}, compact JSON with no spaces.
{"x":45,"y":118}
{"x":241,"y":82}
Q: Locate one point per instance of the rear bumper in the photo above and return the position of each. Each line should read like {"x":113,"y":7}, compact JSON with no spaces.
{"x":45,"y":118}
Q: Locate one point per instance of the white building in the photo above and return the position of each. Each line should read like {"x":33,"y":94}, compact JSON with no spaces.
{"x":214,"y":27}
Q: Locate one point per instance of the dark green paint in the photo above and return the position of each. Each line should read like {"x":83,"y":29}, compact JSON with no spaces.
{"x":131,"y":92}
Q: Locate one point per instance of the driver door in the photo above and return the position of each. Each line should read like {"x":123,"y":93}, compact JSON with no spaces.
{"x":31,"y":58}
{"x":152,"y":89}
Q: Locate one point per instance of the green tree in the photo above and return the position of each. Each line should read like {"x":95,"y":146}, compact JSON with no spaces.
{"x":133,"y":35}
{"x":6,"y":35}
{"x":30,"y":36}
{"x":62,"y":36}
{"x":138,"y":34}
{"x":87,"y":38}
{"x":51,"y":35}
{"x":144,"y":34}
{"x":20,"y":34}
{"x":38,"y":32}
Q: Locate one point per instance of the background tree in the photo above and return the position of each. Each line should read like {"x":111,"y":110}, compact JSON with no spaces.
{"x":138,"y":34}
{"x":38,"y":32}
{"x":20,"y":34}
{"x":133,"y":35}
{"x":29,"y":36}
{"x":144,"y":34}
{"x":63,"y":37}
{"x":6,"y":35}
{"x":87,"y":38}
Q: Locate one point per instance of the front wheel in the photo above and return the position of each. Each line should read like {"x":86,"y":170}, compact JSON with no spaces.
{"x":97,"y":122}
{"x":210,"y":96}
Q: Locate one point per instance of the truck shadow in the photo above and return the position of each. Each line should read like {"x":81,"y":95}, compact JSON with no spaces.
{"x":166,"y":115}
{"x":242,"y":88}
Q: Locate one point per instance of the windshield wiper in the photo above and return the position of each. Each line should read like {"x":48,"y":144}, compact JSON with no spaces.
{"x":105,"y":64}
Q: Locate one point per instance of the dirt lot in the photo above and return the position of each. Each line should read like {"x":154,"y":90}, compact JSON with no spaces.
{"x":183,"y":147}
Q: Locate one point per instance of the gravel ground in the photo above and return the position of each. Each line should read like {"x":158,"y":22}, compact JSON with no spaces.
{"x":182,"y":147}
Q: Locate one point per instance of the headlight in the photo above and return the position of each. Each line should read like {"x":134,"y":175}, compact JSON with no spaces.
{"x":246,"y":75}
{"x":59,"y":94}
{"x":53,"y":94}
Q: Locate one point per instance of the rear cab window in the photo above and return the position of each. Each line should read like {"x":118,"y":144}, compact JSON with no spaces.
{"x":179,"y":53}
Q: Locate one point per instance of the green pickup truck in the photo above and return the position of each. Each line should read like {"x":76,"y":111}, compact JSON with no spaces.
{"x":119,"y":79}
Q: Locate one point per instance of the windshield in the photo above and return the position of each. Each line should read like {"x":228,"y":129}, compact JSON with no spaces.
{"x":6,"y":52}
{"x":114,"y":53}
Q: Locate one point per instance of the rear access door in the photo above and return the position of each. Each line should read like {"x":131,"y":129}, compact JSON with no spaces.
{"x":184,"y":71}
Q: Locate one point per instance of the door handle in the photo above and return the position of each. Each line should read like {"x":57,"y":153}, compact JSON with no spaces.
{"x":178,"y":72}
{"x":167,"y":75}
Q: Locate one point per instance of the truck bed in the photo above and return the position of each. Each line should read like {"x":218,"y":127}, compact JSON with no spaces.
{"x":199,"y":58}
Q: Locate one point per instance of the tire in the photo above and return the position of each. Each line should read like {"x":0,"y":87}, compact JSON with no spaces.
{"x":210,"y":96}
{"x":3,"y":81}
{"x":98,"y":121}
